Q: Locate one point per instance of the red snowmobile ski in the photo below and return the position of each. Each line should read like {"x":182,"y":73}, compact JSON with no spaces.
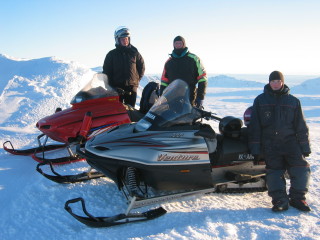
{"x":95,"y":109}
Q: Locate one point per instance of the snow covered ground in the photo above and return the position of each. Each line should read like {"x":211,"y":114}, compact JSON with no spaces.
{"x":32,"y":207}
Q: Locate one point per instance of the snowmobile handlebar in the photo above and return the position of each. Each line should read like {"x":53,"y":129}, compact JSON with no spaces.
{"x":209,"y":115}
{"x":121,"y":91}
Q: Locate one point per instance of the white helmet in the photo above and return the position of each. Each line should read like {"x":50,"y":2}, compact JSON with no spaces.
{"x":121,"y":32}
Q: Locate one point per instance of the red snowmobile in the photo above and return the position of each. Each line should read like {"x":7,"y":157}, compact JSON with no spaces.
{"x":95,"y":109}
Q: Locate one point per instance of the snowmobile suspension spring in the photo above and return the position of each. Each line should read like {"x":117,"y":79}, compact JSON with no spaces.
{"x":131,"y":176}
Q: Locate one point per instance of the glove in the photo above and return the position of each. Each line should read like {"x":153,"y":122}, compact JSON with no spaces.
{"x":256,"y":159}
{"x":120,"y":91}
{"x":199,"y":103}
{"x":306,"y":154}
{"x":162,"y":89}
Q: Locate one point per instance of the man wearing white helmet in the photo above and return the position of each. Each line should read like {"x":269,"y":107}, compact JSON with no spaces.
{"x":124,"y":66}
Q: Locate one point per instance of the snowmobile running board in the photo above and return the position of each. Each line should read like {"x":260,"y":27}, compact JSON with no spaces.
{"x":134,"y":203}
{"x":69,"y":178}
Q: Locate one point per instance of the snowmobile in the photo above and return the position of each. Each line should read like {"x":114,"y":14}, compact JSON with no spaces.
{"x":171,"y":150}
{"x":95,"y":108}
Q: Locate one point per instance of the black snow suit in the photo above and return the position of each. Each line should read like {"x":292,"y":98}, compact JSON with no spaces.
{"x":278,"y":131}
{"x":124,"y":67}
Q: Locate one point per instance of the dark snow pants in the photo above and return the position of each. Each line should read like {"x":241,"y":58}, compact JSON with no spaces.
{"x":282,"y":156}
{"x":130,"y":97}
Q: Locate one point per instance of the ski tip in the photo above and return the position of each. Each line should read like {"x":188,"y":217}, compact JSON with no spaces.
{"x":155,"y":213}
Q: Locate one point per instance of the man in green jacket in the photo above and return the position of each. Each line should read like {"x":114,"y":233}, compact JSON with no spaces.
{"x":185,"y":66}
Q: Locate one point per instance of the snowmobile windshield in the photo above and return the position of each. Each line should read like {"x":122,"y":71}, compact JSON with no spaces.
{"x":97,"y":87}
{"x":172,"y":108}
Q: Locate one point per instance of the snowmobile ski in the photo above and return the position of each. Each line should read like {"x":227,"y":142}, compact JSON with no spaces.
{"x":84,"y":176}
{"x":31,"y":151}
{"x":119,"y":219}
{"x":58,"y":161}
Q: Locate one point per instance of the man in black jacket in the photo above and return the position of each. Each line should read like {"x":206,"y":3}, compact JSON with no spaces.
{"x":185,"y":66}
{"x":279,"y":132}
{"x":124,"y":67}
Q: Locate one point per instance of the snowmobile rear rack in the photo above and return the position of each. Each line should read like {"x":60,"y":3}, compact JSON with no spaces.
{"x":119,"y":219}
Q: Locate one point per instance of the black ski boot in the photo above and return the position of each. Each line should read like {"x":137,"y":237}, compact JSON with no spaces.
{"x":280,"y":205}
{"x":301,"y":205}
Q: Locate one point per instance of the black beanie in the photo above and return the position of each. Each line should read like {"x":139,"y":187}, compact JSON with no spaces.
{"x":179,"y":38}
{"x":276,"y":75}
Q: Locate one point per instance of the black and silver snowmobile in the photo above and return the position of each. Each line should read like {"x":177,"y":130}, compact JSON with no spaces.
{"x":171,"y":150}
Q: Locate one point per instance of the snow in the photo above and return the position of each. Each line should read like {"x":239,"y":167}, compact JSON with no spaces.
{"x":32,"y":207}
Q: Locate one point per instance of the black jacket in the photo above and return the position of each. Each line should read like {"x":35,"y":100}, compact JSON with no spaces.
{"x":187,"y":67}
{"x":124,"y":66}
{"x":277,"y":115}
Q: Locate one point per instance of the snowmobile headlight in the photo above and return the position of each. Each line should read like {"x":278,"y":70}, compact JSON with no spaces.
{"x":78,"y":99}
{"x":101,"y":148}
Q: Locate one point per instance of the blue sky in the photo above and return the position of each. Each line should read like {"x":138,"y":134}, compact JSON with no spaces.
{"x":232,"y":36}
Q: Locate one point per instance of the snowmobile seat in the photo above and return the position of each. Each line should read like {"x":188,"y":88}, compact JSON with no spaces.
{"x":230,"y":127}
{"x":150,"y":95}
{"x":133,"y":113}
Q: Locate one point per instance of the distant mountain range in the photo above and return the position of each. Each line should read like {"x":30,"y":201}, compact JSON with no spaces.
{"x":51,"y":66}
{"x":231,"y":82}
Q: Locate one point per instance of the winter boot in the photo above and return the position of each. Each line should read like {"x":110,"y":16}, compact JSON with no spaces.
{"x":280,"y":205}
{"x":301,"y":205}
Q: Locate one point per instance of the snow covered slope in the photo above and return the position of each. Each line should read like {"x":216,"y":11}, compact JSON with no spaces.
{"x":32,"y":89}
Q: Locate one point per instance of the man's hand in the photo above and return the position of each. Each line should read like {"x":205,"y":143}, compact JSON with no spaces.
{"x":256,"y":159}
{"x":199,"y":103}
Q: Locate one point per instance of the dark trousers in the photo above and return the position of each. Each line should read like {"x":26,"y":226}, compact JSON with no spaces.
{"x":282,"y":156}
{"x":129,"y":98}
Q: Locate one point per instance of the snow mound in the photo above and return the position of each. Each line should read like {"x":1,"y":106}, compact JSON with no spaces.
{"x":32,"y":89}
{"x":311,"y":86}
